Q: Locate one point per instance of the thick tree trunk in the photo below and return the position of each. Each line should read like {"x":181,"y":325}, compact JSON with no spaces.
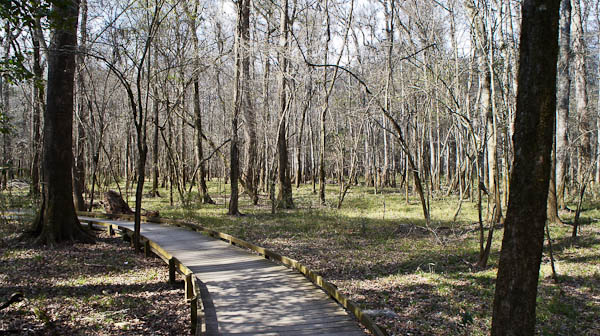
{"x":57,"y":222}
{"x":518,"y":271}
{"x":563,"y":91}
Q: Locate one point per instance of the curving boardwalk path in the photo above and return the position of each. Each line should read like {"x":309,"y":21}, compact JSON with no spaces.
{"x":245,"y":294}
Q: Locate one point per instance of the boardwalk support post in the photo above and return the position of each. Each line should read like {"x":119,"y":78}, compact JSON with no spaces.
{"x":111,"y":231}
{"x":194,"y":312}
{"x":189,"y":287}
{"x":124,"y":235}
{"x":147,"y":250}
{"x":172,"y":271}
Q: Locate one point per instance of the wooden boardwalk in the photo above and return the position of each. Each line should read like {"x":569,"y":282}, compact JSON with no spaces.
{"x":245,"y":294}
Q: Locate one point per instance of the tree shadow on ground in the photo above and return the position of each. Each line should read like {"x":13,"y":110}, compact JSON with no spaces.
{"x":420,"y":308}
{"x":582,"y":241}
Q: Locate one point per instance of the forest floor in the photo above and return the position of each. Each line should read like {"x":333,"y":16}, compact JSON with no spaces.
{"x":85,"y":289}
{"x":415,"y":279}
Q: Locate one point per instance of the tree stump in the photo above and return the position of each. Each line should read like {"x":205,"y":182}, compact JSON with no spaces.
{"x":115,"y":205}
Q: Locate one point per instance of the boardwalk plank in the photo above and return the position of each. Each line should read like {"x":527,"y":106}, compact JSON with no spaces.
{"x":245,"y":294}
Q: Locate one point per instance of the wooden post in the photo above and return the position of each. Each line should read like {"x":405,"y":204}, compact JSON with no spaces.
{"x":124,"y":235}
{"x":172,"y":271}
{"x":189,"y":287}
{"x":194,"y":312}
{"x":111,"y":231}
{"x":147,"y":250}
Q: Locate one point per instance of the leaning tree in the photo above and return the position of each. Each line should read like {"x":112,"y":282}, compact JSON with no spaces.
{"x":522,"y":245}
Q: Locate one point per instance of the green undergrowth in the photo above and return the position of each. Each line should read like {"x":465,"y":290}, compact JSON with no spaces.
{"x":378,"y":250}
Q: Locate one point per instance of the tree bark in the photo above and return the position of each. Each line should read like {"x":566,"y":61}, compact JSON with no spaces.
{"x":518,"y":271}
{"x":487,"y":110}
{"x":57,"y":221}
{"x":250,"y":172}
{"x":38,"y":107}
{"x":155,"y":171}
{"x":79,"y":164}
{"x":563,"y":92}
{"x":324,"y":109}
{"x":581,"y":99}
{"x":234,"y":161}
{"x":299,"y":170}
{"x":5,"y":106}
{"x":552,"y":213}
{"x":389,"y":29}
{"x":284,"y":185}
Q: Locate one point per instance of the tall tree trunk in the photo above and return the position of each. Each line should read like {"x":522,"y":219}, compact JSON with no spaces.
{"x":5,"y":106}
{"x":202,"y":187}
{"x":79,"y":164}
{"x":140,"y":120}
{"x":518,"y":270}
{"x":250,"y":173}
{"x":284,"y":185}
{"x":38,"y":107}
{"x":299,"y":170}
{"x":552,"y":211}
{"x":563,"y":92}
{"x":324,"y":109}
{"x":234,"y":160}
{"x":581,"y":99}
{"x":266,"y":174}
{"x":486,"y":104}
{"x":182,"y":144}
{"x":56,"y":221}
{"x":155,"y":120}
{"x":389,"y":29}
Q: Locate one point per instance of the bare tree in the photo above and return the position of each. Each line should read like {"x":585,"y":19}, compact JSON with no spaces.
{"x":240,"y":86}
{"x":581,"y":98}
{"x":518,"y":270}
{"x":563,"y":92}
{"x":284,"y":186}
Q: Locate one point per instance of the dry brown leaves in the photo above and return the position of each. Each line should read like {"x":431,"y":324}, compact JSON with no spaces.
{"x":99,"y":289}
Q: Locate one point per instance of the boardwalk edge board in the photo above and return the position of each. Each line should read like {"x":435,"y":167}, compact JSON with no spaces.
{"x":198,"y":323}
